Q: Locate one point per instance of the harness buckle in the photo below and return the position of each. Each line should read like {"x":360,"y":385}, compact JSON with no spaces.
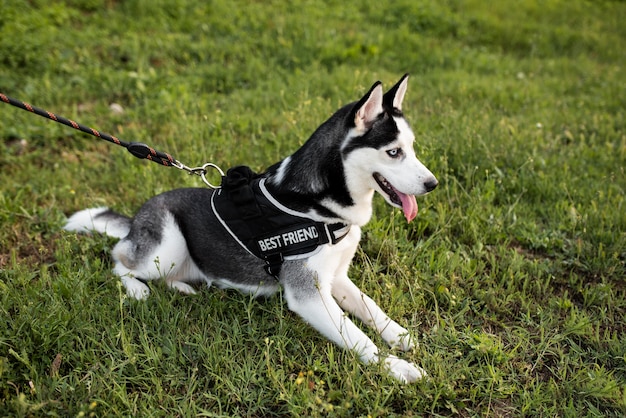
{"x":273,"y":264}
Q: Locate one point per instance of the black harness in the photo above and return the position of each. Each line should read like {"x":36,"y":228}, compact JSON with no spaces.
{"x":263,"y":226}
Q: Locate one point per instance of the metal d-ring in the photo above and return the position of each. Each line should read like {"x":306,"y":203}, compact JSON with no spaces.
{"x":204,"y":171}
{"x":200,"y":171}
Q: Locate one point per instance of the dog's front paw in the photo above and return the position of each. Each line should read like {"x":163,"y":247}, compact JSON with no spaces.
{"x":398,"y":337}
{"x":404,"y":371}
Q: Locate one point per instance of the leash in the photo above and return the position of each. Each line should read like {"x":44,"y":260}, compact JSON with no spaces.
{"x":138,"y":149}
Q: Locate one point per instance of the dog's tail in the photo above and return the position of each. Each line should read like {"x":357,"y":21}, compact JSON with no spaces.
{"x":102,"y":220}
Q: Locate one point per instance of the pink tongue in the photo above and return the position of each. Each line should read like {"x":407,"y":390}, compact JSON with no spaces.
{"x":409,"y":206}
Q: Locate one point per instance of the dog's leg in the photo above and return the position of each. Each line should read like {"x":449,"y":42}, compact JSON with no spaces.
{"x":350,"y":298}
{"x":137,"y":289}
{"x":139,"y":256}
{"x":308,"y":294}
{"x":125,"y":258}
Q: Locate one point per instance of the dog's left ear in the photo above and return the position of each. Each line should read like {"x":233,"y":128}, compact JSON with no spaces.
{"x":393,"y":98}
{"x":369,"y":108}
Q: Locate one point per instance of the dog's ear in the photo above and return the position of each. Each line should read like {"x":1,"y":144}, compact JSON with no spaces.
{"x":369,"y":108}
{"x":393,"y":98}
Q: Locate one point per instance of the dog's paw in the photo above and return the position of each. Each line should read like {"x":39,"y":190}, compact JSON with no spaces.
{"x":182,"y":287}
{"x":404,"y":371}
{"x":135,"y":288}
{"x":398,"y":337}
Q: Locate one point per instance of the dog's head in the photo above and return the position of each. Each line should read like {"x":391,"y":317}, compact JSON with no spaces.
{"x":379,"y":150}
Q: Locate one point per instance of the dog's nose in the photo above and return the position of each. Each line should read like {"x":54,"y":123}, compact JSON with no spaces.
{"x":430,"y":184}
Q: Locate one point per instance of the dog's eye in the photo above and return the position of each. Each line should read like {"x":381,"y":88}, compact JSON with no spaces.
{"x":394,"y":153}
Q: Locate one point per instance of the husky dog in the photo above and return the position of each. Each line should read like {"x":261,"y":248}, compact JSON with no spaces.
{"x":365,"y":147}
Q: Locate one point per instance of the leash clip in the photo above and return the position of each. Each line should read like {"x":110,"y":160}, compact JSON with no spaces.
{"x":200,"y":171}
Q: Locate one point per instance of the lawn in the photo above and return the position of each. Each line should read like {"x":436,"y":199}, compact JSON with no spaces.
{"x":512,"y":276}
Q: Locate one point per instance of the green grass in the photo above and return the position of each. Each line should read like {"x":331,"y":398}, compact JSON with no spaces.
{"x":512,"y":277}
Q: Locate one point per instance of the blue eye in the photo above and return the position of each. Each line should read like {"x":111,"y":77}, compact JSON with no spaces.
{"x":394,"y":153}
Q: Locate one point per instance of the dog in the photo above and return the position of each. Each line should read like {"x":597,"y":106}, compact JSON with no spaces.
{"x":327,"y":186}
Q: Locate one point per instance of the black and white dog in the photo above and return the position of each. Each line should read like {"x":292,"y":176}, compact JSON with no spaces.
{"x":295,"y":226}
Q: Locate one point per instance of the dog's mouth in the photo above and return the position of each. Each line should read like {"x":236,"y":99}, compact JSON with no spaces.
{"x":397,"y":198}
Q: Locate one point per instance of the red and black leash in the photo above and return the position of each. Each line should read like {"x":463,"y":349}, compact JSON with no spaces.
{"x":138,"y":149}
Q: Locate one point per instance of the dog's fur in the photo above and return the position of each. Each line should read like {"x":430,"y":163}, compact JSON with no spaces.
{"x":364,"y":147}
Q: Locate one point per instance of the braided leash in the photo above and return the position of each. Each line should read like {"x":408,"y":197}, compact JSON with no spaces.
{"x":138,"y":149}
